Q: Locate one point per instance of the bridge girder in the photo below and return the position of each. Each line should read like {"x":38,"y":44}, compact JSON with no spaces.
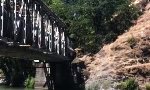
{"x":31,"y":22}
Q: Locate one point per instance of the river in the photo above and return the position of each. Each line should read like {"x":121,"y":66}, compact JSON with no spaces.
{"x":2,"y":87}
{"x":11,"y":88}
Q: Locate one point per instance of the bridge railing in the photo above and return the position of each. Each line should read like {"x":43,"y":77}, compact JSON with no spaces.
{"x":31,"y":22}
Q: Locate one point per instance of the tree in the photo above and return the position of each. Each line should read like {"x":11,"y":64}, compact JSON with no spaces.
{"x":94,"y":22}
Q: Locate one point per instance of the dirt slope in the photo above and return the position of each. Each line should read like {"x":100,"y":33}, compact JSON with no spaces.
{"x":128,"y":56}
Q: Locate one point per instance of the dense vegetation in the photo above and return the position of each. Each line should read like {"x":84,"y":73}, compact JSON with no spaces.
{"x":92,"y":23}
{"x":16,"y":71}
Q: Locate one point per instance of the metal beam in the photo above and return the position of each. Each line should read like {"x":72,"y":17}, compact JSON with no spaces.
{"x":47,"y":30}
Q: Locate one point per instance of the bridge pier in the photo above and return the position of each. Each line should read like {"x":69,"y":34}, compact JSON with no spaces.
{"x":58,"y":75}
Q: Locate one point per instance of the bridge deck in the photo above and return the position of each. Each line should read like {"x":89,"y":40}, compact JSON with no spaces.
{"x":8,"y":49}
{"x":30,"y":30}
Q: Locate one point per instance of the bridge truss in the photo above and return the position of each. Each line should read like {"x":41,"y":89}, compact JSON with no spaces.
{"x":31,"y":22}
{"x":30,"y":30}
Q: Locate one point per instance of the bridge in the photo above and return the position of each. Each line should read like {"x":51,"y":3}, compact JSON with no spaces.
{"x":31,"y":24}
{"x":30,"y":30}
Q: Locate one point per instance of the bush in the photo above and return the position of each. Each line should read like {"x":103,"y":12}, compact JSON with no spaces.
{"x":147,"y":86}
{"x":132,"y":41}
{"x":129,"y":84}
{"x":29,"y":82}
{"x":93,"y":87}
{"x":101,"y":84}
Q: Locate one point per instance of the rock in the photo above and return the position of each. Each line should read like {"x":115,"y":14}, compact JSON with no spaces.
{"x":118,"y":60}
{"x":147,"y":6}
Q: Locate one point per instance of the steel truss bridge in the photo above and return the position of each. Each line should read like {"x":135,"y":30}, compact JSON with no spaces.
{"x":30,"y":30}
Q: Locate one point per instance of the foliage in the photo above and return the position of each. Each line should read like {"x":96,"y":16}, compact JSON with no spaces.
{"x":29,"y":82}
{"x":147,"y":86}
{"x":129,"y":84}
{"x":100,"y":85}
{"x":94,"y":22}
{"x":16,"y":71}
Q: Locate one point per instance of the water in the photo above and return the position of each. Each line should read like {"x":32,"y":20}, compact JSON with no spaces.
{"x":12,"y":88}
{"x":2,"y":87}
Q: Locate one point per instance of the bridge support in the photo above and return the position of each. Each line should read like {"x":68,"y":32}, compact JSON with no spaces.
{"x":30,"y":30}
{"x":58,"y":76}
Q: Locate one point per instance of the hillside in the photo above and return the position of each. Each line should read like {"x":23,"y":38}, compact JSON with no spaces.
{"x":128,"y":56}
